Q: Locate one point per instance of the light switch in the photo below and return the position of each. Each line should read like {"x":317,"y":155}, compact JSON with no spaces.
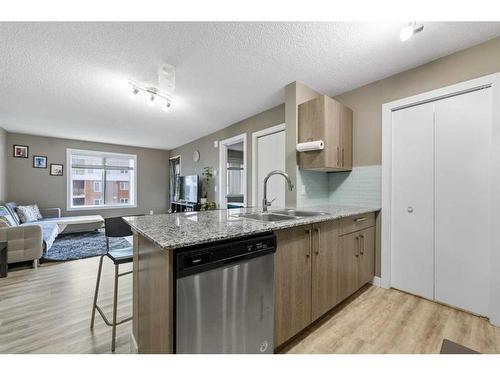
{"x":216,"y":144}
{"x":303,"y":189}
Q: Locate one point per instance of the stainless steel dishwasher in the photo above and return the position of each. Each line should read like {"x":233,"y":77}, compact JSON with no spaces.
{"x":224,"y":297}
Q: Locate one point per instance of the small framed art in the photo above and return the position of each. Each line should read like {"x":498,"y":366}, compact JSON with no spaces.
{"x":56,"y":169}
{"x":39,"y":161}
{"x":21,"y":151}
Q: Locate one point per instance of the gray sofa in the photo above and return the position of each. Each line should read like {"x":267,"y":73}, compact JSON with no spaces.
{"x":28,"y":241}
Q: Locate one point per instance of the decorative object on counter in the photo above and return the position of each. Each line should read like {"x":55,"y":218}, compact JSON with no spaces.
{"x":206,"y":175}
{"x":196,"y":156}
{"x":208,"y":206}
{"x":56,"y":169}
{"x":21,"y":151}
{"x":39,"y":161}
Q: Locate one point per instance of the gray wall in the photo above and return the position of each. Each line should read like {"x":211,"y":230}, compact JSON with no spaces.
{"x":209,"y":155}
{"x":26,"y":184}
{"x":3,"y":163}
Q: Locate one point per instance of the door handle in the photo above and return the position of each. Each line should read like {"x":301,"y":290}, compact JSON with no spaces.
{"x":309,"y":232}
{"x":362,"y":244}
{"x":342,"y":156}
{"x":338,"y":156}
{"x":318,"y":230}
{"x":356,"y":254}
{"x":360,"y":219}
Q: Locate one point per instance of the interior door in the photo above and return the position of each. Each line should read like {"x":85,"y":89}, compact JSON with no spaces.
{"x":412,"y":222}
{"x":270,"y":156}
{"x":463,"y":133}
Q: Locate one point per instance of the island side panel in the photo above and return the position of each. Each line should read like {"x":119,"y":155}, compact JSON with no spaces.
{"x":153,"y":297}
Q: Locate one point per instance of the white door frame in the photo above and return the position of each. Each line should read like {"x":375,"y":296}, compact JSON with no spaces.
{"x":223,"y":164}
{"x":492,"y":81}
{"x":255,"y":135}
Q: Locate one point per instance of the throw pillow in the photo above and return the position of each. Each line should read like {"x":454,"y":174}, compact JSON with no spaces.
{"x":5,"y":212}
{"x":28,"y":214}
{"x":4,"y":222}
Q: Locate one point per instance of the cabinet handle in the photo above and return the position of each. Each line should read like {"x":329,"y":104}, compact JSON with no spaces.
{"x":342,"y":156}
{"x":356,"y":254}
{"x":338,"y":156}
{"x":318,"y":230}
{"x":362,"y":244}
{"x":309,"y":232}
{"x":360,"y":219}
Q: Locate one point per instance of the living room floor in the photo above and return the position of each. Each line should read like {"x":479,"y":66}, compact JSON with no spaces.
{"x":48,"y":311}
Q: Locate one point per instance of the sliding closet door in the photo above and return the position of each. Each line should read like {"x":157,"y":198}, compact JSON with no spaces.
{"x":463,"y":133}
{"x":412,"y":211}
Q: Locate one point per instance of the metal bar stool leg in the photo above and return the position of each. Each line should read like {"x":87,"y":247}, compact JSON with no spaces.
{"x":94,"y":307}
{"x":115,"y":304}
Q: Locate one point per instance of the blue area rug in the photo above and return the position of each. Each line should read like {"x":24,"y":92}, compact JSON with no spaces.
{"x":82,"y":245}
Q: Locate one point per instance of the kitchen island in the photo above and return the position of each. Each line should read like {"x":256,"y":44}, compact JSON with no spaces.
{"x":158,"y":237}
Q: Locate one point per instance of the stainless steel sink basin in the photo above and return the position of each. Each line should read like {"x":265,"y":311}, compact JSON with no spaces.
{"x":299,"y":213}
{"x":266,"y":216}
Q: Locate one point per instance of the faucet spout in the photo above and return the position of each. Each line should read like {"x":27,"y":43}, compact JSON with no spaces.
{"x":265,"y":202}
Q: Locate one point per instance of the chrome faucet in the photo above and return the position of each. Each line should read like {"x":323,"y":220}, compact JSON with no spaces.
{"x":265,"y":202}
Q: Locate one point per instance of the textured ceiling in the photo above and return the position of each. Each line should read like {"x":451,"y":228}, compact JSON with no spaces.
{"x":70,"y":79}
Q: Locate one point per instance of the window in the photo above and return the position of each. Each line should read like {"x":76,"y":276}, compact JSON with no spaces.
{"x":101,"y":180}
{"x":97,"y":187}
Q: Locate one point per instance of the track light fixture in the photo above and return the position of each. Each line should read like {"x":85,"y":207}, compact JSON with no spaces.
{"x":152,"y":95}
{"x":410,"y":30}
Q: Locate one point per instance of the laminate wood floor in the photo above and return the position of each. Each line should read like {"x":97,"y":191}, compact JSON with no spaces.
{"x":377,"y":320}
{"x":48,"y":311}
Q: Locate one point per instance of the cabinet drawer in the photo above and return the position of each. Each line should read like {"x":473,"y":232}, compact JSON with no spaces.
{"x":358,"y":222}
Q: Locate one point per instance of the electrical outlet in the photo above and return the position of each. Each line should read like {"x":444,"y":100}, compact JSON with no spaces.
{"x":303,"y":190}
{"x":151,"y":212}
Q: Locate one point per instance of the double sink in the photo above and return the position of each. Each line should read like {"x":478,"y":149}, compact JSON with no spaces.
{"x":280,"y":215}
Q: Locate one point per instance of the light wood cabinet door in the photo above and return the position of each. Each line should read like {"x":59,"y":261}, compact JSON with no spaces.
{"x":319,"y":119}
{"x":348,"y":274}
{"x":366,"y":255}
{"x":292,"y":282}
{"x":325,"y":267}
{"x":346,"y":137}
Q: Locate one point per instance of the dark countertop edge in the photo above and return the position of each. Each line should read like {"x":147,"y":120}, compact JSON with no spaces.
{"x":273,"y":227}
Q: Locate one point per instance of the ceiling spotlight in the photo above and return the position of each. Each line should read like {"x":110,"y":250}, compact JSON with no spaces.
{"x":166,"y":107}
{"x":410,"y":30}
{"x":151,"y":100}
{"x":134,"y":92}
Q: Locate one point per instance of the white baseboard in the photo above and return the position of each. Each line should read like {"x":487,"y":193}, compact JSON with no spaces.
{"x":376,"y":281}
{"x":134,"y":349}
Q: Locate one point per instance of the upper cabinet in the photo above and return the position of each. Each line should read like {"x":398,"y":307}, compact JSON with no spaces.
{"x":323,"y":118}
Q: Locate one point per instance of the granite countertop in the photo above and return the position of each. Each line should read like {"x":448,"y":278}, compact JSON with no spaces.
{"x":174,"y":231}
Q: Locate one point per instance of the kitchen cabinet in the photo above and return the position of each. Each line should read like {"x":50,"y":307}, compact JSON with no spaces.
{"x":323,"y":118}
{"x":356,"y":261}
{"x":292,"y":282}
{"x":324,"y":273}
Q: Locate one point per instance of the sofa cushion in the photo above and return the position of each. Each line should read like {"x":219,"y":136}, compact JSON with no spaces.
{"x":11,"y":206}
{"x":5,"y":212}
{"x":28,"y":214}
{"x":49,"y":232}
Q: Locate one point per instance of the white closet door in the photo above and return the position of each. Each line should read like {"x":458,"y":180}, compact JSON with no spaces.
{"x":412,"y":255}
{"x":463,"y":133}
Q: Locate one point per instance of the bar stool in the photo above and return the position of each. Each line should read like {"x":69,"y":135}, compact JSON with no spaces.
{"x":114,"y":227}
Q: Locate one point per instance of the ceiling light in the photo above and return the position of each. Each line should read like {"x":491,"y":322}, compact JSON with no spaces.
{"x":410,"y":30}
{"x":151,"y":100}
{"x":167,"y":106}
{"x":151,"y":94}
{"x":134,"y":92}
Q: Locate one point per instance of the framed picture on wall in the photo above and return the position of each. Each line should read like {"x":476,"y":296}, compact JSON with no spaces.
{"x":21,"y":151}
{"x":56,"y":169}
{"x":39,"y":161}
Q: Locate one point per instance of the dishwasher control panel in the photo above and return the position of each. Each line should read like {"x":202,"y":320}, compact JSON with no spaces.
{"x":230,"y":251}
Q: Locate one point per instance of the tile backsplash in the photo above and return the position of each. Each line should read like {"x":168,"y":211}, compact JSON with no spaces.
{"x":312,"y":188}
{"x":360,"y":187}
